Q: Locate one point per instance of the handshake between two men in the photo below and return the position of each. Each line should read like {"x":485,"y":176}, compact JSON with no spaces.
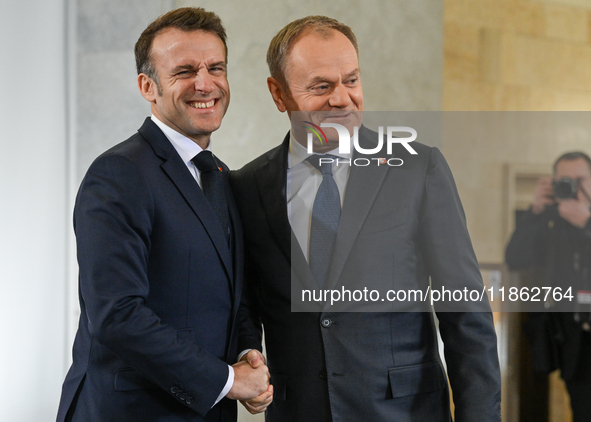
{"x":251,"y":382}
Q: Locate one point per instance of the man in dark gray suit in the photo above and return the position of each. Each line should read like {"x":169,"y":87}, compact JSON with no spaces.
{"x":352,"y":366}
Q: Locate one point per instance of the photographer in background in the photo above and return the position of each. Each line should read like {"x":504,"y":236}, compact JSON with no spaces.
{"x":555,"y":234}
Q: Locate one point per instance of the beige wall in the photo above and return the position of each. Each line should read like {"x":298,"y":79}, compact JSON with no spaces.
{"x":508,"y":55}
{"x":511,"y":55}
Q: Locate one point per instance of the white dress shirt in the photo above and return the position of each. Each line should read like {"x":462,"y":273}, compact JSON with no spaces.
{"x":188,"y":149}
{"x":185,"y":147}
{"x":303,"y":180}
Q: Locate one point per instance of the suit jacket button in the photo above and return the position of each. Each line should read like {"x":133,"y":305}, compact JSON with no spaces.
{"x":322,"y":374}
{"x":326,"y":322}
{"x":183,"y":397}
{"x":189,"y":400}
{"x":174,"y":390}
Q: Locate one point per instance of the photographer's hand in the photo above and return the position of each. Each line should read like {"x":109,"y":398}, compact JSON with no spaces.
{"x":543,"y":195}
{"x":574,"y":211}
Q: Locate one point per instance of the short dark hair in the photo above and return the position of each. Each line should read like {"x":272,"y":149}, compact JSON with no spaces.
{"x":281,"y":44}
{"x":186,"y":19}
{"x":570,"y":156}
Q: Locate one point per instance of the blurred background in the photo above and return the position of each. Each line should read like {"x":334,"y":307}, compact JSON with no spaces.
{"x":68,"y":92}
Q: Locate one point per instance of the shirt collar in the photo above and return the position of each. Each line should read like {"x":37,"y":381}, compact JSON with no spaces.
{"x":186,"y":148}
{"x":298,"y":153}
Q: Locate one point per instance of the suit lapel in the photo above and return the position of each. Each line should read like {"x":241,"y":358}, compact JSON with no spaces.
{"x":238,"y":248}
{"x":271,"y":179}
{"x":176,"y":170}
{"x":363,"y":186}
{"x":236,"y":236}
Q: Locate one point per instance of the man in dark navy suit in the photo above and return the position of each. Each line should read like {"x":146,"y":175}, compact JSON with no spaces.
{"x":160,"y":250}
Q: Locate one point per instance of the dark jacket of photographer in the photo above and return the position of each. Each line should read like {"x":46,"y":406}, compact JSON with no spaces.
{"x":563,"y":254}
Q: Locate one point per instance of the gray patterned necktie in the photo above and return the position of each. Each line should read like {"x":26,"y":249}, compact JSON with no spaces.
{"x":326,"y":214}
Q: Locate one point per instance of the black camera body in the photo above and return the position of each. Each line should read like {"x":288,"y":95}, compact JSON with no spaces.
{"x":565,"y":188}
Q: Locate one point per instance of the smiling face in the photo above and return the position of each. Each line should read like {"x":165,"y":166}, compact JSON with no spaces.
{"x":194,"y":92}
{"x":322,"y":75}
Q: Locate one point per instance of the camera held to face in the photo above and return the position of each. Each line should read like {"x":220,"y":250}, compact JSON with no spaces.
{"x":565,"y":188}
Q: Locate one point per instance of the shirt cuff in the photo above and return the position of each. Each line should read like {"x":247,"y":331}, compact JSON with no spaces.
{"x":245,"y":351}
{"x":228,"y":385}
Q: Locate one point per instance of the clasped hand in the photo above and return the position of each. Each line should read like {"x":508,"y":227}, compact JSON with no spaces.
{"x":251,"y":383}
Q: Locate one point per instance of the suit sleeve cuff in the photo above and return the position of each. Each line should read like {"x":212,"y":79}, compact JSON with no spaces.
{"x":228,"y":385}
{"x":245,"y":351}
